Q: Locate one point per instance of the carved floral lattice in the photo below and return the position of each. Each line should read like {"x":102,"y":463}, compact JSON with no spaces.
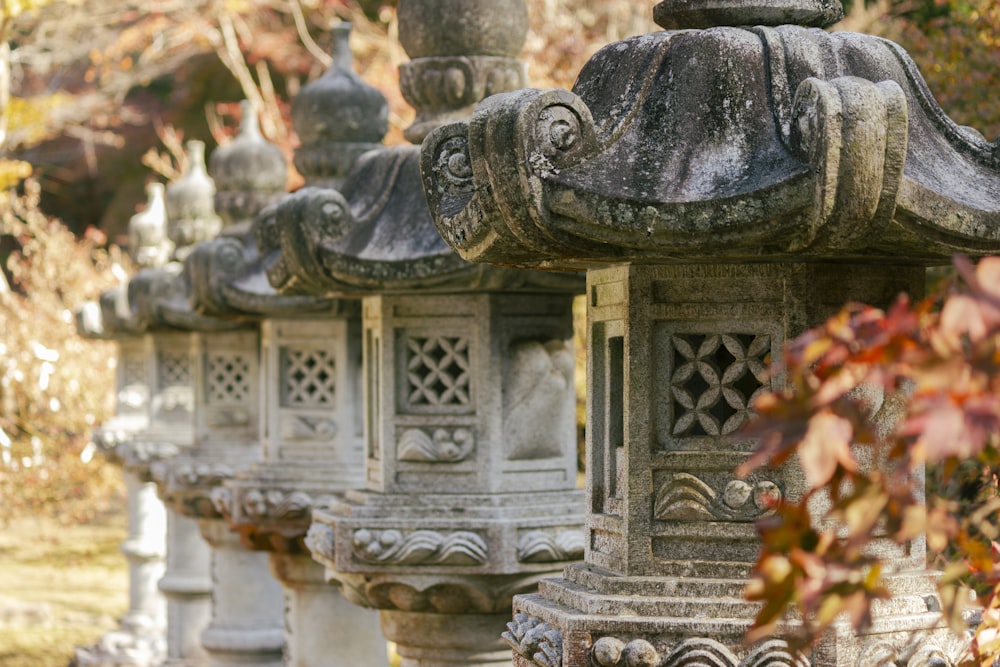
{"x":437,"y":371}
{"x":174,"y":369}
{"x":714,"y":381}
{"x":309,"y":377}
{"x":228,"y":378}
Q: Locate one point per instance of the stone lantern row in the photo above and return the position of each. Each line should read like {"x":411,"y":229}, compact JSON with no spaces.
{"x":441,"y":469}
{"x":359,"y":396}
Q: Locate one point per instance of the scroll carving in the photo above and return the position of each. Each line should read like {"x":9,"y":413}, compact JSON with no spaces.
{"x":535,"y":640}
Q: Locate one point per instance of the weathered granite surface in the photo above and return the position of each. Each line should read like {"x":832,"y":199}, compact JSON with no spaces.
{"x":726,"y":188}
{"x":469,"y":491}
{"x":309,"y":436}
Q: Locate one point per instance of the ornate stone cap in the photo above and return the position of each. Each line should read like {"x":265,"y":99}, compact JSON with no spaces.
{"x":726,"y":143}
{"x":89,"y":320}
{"x":148,"y":243}
{"x":249,"y":172}
{"x":190,"y":204}
{"x":376,"y":235}
{"x":463,"y":51}
{"x":339,"y":105}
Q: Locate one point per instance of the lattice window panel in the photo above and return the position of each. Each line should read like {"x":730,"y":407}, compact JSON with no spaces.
{"x":228,"y":378}
{"x":309,"y":377}
{"x":714,"y":381}
{"x":174,"y":369}
{"x":134,"y":370}
{"x":437,"y":371}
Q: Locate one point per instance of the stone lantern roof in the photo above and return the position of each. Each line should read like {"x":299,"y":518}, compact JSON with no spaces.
{"x":375,"y":232}
{"x":249,"y":172}
{"x":727,"y":143}
{"x":228,"y":277}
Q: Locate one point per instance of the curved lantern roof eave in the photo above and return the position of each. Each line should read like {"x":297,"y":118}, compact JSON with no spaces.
{"x":376,"y":235}
{"x":161,"y":300}
{"x":723,"y":144}
{"x":228,"y":279}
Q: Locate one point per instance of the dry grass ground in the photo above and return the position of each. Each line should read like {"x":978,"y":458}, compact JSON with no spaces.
{"x":60,"y":586}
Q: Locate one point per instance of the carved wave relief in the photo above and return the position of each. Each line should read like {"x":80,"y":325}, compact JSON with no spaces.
{"x":300,"y":427}
{"x":419,"y":547}
{"x":441,"y":446}
{"x":697,"y":652}
{"x":275,"y":504}
{"x":539,"y":546}
{"x":685,"y":497}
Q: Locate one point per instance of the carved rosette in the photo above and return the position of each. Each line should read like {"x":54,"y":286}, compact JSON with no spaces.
{"x":686,"y":497}
{"x":534,"y":640}
{"x":439,"y":445}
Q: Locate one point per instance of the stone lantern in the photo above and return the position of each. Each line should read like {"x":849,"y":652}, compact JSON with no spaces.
{"x":140,"y":640}
{"x":246,"y":624}
{"x":310,"y":424}
{"x":470,"y":469}
{"x":726,"y":184}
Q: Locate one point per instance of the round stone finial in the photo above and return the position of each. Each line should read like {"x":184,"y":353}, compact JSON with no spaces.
{"x":190,"y":203}
{"x":462,"y":51}
{"x":248,"y":172}
{"x":434,"y":28}
{"x":685,"y":14}
{"x":339,"y":106}
{"x":148,"y":243}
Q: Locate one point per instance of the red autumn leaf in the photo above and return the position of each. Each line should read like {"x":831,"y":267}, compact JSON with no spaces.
{"x":948,"y":425}
{"x":826,"y":444}
{"x":976,"y":314}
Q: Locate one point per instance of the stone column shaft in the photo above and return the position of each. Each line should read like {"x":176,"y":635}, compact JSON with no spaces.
{"x":145,"y":550}
{"x":323,"y":628}
{"x":187,"y":586}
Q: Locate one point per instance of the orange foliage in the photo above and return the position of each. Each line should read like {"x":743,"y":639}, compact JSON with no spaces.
{"x":54,"y":386}
{"x":917,"y":385}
